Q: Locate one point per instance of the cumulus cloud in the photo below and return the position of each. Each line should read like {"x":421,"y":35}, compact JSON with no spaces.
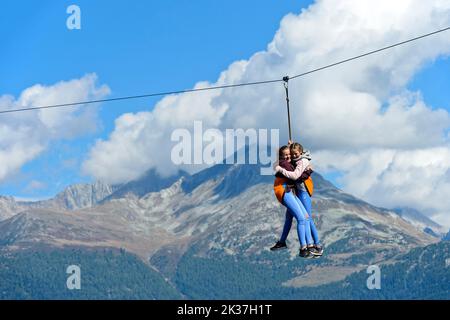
{"x":417,"y":178}
{"x":349,"y":112}
{"x":142,"y":141}
{"x":25,"y":135}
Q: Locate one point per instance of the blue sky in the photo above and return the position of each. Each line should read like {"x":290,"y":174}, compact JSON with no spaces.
{"x":136,"y":47}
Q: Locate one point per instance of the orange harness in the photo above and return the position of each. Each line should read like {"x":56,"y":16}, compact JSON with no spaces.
{"x":279,"y":187}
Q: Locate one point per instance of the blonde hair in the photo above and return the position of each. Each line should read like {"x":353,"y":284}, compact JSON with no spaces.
{"x":296,"y":146}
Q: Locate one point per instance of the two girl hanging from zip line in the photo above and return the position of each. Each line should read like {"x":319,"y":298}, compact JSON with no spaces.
{"x":293,"y":188}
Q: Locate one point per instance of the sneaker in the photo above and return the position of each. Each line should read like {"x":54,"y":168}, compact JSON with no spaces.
{"x":279,"y":245}
{"x":315,"y":251}
{"x":304,"y":253}
{"x":319,"y":249}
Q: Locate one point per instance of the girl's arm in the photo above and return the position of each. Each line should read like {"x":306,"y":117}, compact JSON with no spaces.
{"x":275,"y":165}
{"x":294,"y":175}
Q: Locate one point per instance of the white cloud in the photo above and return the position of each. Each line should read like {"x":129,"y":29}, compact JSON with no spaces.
{"x":142,"y":141}
{"x":25,"y":135}
{"x":349,"y":111}
{"x":417,"y":178}
{"x":35,"y":185}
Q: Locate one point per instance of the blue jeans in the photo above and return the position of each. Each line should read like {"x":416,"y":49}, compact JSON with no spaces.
{"x":296,"y":209}
{"x":306,"y":201}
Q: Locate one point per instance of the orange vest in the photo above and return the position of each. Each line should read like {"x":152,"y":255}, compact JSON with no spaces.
{"x":279,"y":187}
{"x":309,"y":185}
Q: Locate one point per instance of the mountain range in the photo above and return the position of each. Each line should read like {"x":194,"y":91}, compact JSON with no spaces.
{"x":222,"y":220}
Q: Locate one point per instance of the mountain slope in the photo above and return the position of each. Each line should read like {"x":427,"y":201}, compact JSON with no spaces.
{"x":421,"y":273}
{"x":105,"y":274}
{"x":151,"y":181}
{"x":421,"y":221}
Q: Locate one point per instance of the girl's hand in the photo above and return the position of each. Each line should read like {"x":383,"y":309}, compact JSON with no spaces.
{"x":278,"y":169}
{"x":290,"y":142}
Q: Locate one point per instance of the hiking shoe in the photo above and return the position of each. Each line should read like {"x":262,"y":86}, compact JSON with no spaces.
{"x":304,"y":253}
{"x":315,"y":251}
{"x":279,"y":245}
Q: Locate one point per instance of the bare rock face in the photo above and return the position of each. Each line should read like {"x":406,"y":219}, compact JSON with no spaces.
{"x":81,"y":196}
{"x":9,"y":207}
{"x":74,"y":197}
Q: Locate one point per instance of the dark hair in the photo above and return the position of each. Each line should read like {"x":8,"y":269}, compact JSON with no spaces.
{"x":280,"y":152}
{"x":296,"y":146}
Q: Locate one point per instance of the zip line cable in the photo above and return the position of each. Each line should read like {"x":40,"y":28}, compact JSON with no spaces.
{"x":140,"y":96}
{"x":369,"y":53}
{"x":156,"y":94}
